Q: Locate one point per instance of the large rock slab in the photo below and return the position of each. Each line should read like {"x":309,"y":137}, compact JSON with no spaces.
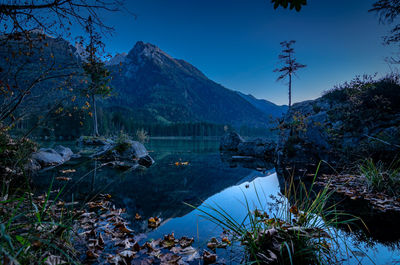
{"x":65,"y":152}
{"x":230,"y":142}
{"x":259,"y":148}
{"x":233,"y":144}
{"x":48,"y":157}
{"x":130,"y":152}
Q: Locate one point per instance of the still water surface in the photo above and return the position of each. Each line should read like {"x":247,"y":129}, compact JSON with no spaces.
{"x":209,"y":179}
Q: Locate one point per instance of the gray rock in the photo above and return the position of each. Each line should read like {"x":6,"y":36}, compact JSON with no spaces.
{"x":230,"y":142}
{"x":258,"y":148}
{"x":133,"y":150}
{"x":32,"y":165}
{"x":102,"y":150}
{"x":146,"y":161}
{"x":129,"y":152}
{"x":122,"y":165}
{"x":65,"y":152}
{"x":48,"y":157}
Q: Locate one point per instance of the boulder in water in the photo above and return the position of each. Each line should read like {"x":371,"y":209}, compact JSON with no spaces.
{"x":47,"y":157}
{"x":127,"y":151}
{"x":259,"y":148}
{"x":230,"y":142}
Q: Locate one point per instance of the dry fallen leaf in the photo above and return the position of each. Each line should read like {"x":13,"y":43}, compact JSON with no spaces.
{"x":66,"y":171}
{"x":154,"y":222}
{"x":63,"y":178}
{"x":226,"y":240}
{"x":209,"y":258}
{"x":91,"y":255}
{"x":185,"y":242}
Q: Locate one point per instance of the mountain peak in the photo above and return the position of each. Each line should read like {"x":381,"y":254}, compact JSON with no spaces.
{"x":140,"y":46}
{"x":150,"y":51}
{"x":117,"y":59}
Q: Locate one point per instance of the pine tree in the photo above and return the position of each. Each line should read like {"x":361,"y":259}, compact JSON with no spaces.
{"x":289,"y":65}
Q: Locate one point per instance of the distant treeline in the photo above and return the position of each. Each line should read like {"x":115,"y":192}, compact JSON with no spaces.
{"x":72,"y":123}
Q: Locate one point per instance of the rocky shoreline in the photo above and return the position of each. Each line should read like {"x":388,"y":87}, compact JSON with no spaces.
{"x":326,"y":136}
{"x":125,"y":155}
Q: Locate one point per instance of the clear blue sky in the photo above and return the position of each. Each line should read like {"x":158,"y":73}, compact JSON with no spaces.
{"x":236,"y":42}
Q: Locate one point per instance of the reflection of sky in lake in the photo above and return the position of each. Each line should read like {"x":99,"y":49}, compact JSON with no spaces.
{"x":232,"y":199}
{"x":162,"y":189}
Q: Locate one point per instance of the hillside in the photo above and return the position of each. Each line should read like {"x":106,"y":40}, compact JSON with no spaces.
{"x":149,"y":87}
{"x":267,"y":107}
{"x":173,"y":90}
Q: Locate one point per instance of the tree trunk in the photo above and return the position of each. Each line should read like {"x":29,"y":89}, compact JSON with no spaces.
{"x":95,"y":128}
{"x":290,"y":90}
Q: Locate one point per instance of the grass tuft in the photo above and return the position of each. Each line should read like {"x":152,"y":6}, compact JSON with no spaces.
{"x":381,"y":178}
{"x":297,"y":227}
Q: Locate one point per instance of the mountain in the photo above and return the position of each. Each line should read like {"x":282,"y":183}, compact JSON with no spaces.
{"x":173,"y":90}
{"x":149,"y":85}
{"x":41,"y":71}
{"x":117,"y":59}
{"x":265,"y":106}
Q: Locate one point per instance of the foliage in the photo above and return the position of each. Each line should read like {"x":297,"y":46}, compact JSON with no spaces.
{"x":52,"y":17}
{"x":35,"y":230}
{"x":122,"y":142}
{"x":295,"y":230}
{"x":380,"y":177}
{"x":289,"y":65}
{"x":100,"y":78}
{"x":142,"y":135}
{"x":14,"y":156}
{"x":388,"y":11}
{"x":296,"y":4}
{"x":376,"y":102}
{"x":32,"y":229}
{"x":34,"y":56}
{"x":30,"y":69}
{"x":96,"y":71}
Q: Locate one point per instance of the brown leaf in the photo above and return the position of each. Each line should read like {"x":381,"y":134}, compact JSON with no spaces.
{"x":208,"y":257}
{"x":154,"y":222}
{"x":169,"y":241}
{"x":294,"y":210}
{"x":169,"y":258}
{"x":66,"y":171}
{"x":91,"y":255}
{"x":185,"y":242}
{"x":63,"y":179}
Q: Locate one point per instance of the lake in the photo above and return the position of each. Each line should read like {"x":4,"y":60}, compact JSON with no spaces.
{"x":209,"y":179}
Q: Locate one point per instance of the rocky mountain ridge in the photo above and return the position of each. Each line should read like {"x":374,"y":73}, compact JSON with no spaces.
{"x":173,"y":90}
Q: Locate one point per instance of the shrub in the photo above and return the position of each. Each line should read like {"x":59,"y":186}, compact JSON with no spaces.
{"x":142,"y":135}
{"x":381,"y":178}
{"x":14,"y":156}
{"x":373,"y":100}
{"x":122,"y":142}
